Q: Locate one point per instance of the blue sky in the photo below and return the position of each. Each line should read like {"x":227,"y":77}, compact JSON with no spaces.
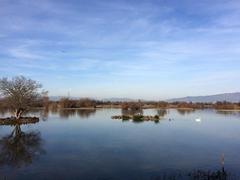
{"x":151,"y":49}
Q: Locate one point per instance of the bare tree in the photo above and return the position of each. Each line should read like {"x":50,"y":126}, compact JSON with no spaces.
{"x":20,"y":93}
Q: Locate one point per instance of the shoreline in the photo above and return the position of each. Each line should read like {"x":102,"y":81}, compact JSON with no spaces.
{"x":92,"y":108}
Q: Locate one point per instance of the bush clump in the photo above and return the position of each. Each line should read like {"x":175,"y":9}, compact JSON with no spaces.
{"x":125,"y":118}
{"x":138,"y":118}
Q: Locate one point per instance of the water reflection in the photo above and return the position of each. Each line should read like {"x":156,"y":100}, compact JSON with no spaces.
{"x":162,"y":112}
{"x":83,"y":113}
{"x":131,"y":112}
{"x":53,"y":110}
{"x":20,"y":148}
{"x":66,"y":113}
{"x":214,"y":175}
{"x":44,"y":114}
{"x":220,"y":174}
{"x":227,"y":113}
{"x":63,"y":113}
{"x":185,"y":111}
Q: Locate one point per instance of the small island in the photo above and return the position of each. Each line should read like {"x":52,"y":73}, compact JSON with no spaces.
{"x":23,"y":120}
{"x":137,"y":117}
{"x":134,"y":111}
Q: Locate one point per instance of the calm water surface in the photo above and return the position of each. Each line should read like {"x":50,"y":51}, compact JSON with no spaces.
{"x":88,"y":144}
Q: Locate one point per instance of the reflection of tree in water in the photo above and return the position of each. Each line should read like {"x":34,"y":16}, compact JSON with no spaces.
{"x":131,"y":112}
{"x":85,"y":113}
{"x":227,"y":113}
{"x":185,"y":111}
{"x":209,"y":175}
{"x":66,"y":113}
{"x":220,"y":174}
{"x":161,"y":112}
{"x":44,"y":114}
{"x":54,"y":110}
{"x":19,"y":148}
{"x":63,"y":113}
{"x":195,"y":175}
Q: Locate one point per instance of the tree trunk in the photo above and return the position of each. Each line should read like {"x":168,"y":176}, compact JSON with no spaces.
{"x":18,"y":113}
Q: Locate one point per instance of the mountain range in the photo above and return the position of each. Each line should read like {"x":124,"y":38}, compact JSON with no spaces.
{"x":230,"y":97}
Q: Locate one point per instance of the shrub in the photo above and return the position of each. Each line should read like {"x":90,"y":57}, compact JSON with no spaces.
{"x":124,"y":117}
{"x":138,"y":118}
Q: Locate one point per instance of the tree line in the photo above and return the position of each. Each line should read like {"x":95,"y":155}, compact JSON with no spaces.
{"x":66,"y":102}
{"x":21,"y":93}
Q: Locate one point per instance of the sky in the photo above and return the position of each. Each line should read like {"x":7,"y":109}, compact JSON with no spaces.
{"x":145,"y":49}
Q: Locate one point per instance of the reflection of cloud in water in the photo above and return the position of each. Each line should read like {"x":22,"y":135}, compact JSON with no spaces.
{"x":20,"y":148}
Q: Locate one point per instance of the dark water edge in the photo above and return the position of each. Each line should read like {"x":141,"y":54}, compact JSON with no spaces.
{"x":88,"y":144}
{"x":167,"y":175}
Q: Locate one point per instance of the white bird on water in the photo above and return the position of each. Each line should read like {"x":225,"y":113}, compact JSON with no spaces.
{"x":198,"y":119}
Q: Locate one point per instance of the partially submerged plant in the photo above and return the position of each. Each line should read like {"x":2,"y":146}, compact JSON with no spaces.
{"x":124,"y":117}
{"x":138,"y":118}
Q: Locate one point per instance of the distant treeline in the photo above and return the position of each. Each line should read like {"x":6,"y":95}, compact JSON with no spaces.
{"x":134,"y":105}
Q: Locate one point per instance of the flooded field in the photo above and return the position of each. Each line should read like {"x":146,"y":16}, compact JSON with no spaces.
{"x":88,"y":144}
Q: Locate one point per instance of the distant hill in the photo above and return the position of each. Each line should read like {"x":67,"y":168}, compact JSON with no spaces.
{"x":230,"y":97}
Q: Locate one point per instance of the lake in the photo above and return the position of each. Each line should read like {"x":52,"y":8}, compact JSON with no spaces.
{"x":88,"y":144}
